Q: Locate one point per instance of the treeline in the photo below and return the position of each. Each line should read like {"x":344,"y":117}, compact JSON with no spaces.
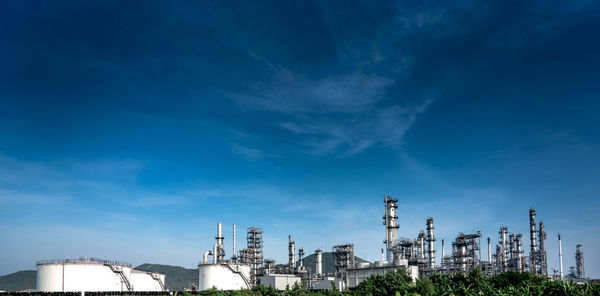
{"x":398,"y":283}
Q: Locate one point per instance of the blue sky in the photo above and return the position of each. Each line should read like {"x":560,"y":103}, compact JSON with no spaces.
{"x":129,"y":129}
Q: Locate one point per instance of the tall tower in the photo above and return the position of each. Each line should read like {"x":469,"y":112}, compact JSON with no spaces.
{"x":430,"y":243}
{"x":318,"y":262}
{"x":390,"y":220}
{"x":543,"y":264}
{"x":254,"y":241}
{"x":560,"y":258}
{"x":579,"y":261}
{"x":292,"y":252}
{"x":533,"y":254}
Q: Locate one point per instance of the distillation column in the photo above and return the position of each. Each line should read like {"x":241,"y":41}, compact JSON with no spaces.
{"x":430,"y":243}
{"x":489,"y":250}
{"x":319,"y":262}
{"x":292,"y":252}
{"x":391,"y":227}
{"x":542,"y":257}
{"x":503,"y":248}
{"x":519,"y":252}
{"x":301,"y":259}
{"x":220,"y":251}
{"x":533,"y":238}
{"x":579,"y":261}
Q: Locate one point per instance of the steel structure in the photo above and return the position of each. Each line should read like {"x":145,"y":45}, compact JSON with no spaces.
{"x":579,"y":261}
{"x":254,"y":246}
{"x":343,"y":258}
{"x":466,"y":252}
{"x":537,"y":257}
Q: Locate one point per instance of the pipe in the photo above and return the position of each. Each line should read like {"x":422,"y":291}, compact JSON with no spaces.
{"x":382,"y":255}
{"x":560,"y":257}
{"x":234,"y":251}
{"x":205,"y":257}
{"x":215,"y":252}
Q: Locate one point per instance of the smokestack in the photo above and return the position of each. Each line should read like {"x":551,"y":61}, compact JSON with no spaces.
{"x":489,"y":250}
{"x":430,"y":243}
{"x":443,"y":251}
{"x":319,"y":262}
{"x":233,"y":257}
{"x":560,"y":259}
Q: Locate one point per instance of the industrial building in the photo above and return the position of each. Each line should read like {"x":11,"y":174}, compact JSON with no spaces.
{"x":94,"y":275}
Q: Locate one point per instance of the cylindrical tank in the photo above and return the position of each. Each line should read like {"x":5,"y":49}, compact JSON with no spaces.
{"x":223,"y":276}
{"x":93,"y":275}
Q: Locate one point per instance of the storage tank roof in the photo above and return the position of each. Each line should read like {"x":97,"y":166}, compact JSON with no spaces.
{"x":83,"y":260}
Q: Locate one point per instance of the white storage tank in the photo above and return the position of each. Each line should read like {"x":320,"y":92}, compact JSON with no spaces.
{"x":223,"y":276}
{"x":94,"y":275}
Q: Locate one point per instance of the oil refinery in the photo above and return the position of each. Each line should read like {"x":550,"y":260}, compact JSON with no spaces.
{"x":247,"y":267}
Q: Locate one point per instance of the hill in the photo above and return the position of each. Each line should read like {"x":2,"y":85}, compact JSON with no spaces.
{"x":18,"y":281}
{"x":177,"y":277}
{"x":328,"y":266}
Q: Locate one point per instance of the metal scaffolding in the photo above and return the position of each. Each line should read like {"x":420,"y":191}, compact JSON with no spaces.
{"x":254,"y":255}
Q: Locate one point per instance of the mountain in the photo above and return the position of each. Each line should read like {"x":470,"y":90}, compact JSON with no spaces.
{"x":177,"y":278}
{"x":18,"y":281}
{"x":328,"y":266}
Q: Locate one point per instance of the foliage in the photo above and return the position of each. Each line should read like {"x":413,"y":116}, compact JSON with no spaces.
{"x":398,"y":283}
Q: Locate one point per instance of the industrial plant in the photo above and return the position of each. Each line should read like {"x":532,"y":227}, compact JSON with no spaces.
{"x":248,"y":267}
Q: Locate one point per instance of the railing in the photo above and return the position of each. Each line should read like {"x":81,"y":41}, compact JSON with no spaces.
{"x":84,"y":260}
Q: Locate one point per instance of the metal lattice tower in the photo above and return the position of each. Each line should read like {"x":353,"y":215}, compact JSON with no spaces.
{"x":343,"y":258}
{"x":579,"y":261}
{"x":465,"y":251}
{"x":254,"y":244}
